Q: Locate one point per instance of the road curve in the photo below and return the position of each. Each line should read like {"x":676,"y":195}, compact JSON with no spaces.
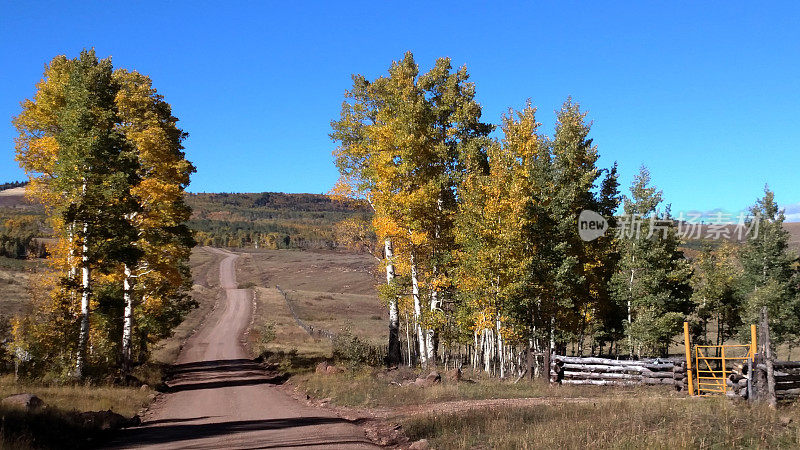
{"x":218,"y":398}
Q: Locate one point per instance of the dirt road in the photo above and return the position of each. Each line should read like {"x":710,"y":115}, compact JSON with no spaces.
{"x":218,"y":398}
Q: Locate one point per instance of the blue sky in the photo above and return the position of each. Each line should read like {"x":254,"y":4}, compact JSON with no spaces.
{"x":706,"y":94}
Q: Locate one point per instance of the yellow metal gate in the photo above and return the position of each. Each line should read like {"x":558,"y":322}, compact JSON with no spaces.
{"x":713,"y":364}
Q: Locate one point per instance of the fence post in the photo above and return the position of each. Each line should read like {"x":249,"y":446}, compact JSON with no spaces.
{"x":750,"y":362}
{"x":687,"y":346}
{"x":768,"y":359}
{"x":724,"y":371}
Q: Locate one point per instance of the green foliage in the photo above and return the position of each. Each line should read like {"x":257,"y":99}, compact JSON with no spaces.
{"x":265,"y":334}
{"x":350,"y":349}
{"x":716,"y":290}
{"x":105,"y":160}
{"x":652,"y":279}
{"x":770,"y":273}
{"x":6,"y":353}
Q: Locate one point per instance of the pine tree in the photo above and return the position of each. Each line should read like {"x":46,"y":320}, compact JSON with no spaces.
{"x":580,"y":278}
{"x":652,"y":280}
{"x":716,"y":275}
{"x":770,"y":276}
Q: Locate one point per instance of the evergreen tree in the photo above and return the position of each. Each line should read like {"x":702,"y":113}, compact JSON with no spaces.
{"x":770,"y":275}
{"x":716,"y":275}
{"x":580,"y":278}
{"x":652,"y":280}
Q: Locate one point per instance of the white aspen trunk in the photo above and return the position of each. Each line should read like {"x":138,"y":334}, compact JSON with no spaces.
{"x":394,"y":357}
{"x":127,"y":321}
{"x":430,"y":336}
{"x":423,"y":356}
{"x":408,"y":343}
{"x":73,"y":267}
{"x":487,"y":345}
{"x":83,"y":337}
{"x":475,"y":351}
{"x":500,"y":352}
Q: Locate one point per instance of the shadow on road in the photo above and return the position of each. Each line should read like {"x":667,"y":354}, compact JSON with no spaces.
{"x":147,"y":435}
{"x":218,"y":374}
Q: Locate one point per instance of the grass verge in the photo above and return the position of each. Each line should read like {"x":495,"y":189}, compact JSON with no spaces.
{"x":56,"y":425}
{"x":379,"y":388}
{"x":615,"y":423}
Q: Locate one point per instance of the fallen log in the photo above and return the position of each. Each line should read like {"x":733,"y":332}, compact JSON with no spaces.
{"x":602,"y":368}
{"x":787,"y":385}
{"x":615,"y":362}
{"x":657,"y":381}
{"x":786,"y":364}
{"x":789,"y":377}
{"x":601,"y":382}
{"x":599,"y":376}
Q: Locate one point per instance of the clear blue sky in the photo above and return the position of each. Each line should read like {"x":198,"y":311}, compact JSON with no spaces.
{"x":707,"y":94}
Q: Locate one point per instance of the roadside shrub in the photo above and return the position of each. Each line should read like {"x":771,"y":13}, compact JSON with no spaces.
{"x":5,"y":342}
{"x":350,"y":349}
{"x":265,"y":334}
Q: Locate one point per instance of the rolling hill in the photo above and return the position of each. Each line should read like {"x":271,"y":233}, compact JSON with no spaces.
{"x":271,"y":219}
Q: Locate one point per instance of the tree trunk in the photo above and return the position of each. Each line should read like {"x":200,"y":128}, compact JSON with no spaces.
{"x":423,"y":356}
{"x":83,"y":337}
{"x":630,"y":297}
{"x":394,"y":356}
{"x":408,"y":344}
{"x":500,"y":352}
{"x":430,"y":335}
{"x":769,"y":359}
{"x":127,"y":324}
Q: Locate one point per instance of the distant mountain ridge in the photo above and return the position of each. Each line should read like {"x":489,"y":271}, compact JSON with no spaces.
{"x":270,"y":219}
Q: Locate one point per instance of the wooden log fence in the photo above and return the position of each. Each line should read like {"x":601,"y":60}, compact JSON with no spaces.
{"x":613,"y":372}
{"x":313,"y":332}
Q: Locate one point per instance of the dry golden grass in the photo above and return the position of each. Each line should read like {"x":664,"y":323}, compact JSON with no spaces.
{"x":14,"y":285}
{"x":79,"y":397}
{"x":382,"y":389}
{"x":55,"y":426}
{"x":616,"y":423}
{"x":331,"y":291}
{"x":289,"y":337}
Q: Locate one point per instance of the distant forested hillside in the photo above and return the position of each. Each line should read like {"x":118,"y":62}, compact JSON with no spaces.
{"x":12,"y":185}
{"x":270,"y":219}
{"x":275,"y":220}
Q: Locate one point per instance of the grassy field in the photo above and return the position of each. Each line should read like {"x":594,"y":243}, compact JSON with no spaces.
{"x":330,"y":291}
{"x":15,"y":276}
{"x":56,"y":426}
{"x":614,"y":423}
